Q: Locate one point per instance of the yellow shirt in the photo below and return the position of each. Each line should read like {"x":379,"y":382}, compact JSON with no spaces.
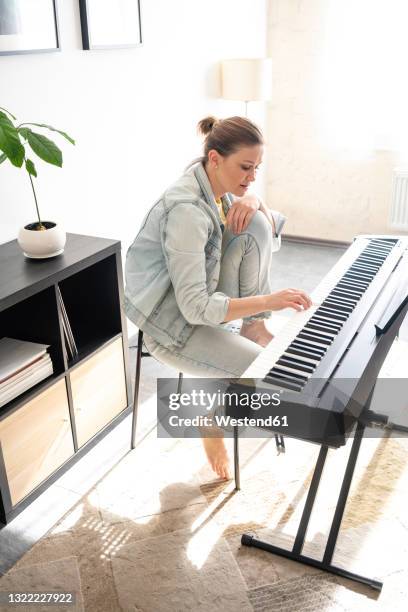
{"x":221,"y":211}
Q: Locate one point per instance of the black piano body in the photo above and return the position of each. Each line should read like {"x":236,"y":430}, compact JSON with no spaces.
{"x":325,"y":407}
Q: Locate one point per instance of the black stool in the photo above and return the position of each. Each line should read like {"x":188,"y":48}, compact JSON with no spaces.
{"x":141,"y":353}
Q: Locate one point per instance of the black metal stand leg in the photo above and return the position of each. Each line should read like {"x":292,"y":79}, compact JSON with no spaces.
{"x":280,"y":443}
{"x":248,"y":540}
{"x":180,"y":382}
{"x":310,"y":500}
{"x":137,"y":384}
{"x":343,"y":495}
{"x":236,"y":461}
{"x":295,"y":553}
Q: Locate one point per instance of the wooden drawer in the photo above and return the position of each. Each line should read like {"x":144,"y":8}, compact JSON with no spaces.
{"x":36,"y":440}
{"x":98,"y":391}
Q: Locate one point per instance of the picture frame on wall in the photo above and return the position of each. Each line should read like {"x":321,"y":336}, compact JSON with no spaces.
{"x":110,"y":25}
{"x":28,"y":26}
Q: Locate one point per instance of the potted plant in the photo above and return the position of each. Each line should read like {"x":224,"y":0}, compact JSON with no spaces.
{"x":39,"y":239}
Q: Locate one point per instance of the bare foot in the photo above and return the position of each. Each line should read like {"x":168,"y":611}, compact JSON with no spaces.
{"x":217,"y":456}
{"x":257,"y":332}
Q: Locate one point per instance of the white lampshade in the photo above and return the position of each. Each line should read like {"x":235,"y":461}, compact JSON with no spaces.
{"x":247,"y":79}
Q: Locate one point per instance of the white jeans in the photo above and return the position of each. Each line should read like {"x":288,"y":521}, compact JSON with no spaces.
{"x":246,"y":264}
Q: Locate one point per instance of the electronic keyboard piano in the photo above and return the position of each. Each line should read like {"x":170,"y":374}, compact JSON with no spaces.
{"x":325,"y":361}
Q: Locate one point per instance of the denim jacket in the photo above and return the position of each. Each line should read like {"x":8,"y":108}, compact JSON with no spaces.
{"x":173,"y":266}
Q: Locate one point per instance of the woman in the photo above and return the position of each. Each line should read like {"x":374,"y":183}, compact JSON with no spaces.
{"x":202,"y":258}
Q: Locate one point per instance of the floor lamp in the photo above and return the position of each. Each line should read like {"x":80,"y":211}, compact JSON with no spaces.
{"x":246,"y":80}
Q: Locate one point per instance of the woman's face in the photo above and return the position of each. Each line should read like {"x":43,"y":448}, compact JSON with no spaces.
{"x":237,"y":171}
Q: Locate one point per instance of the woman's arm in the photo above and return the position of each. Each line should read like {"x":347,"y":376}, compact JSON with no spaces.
{"x":247,"y":306}
{"x":243,"y":209}
{"x":185,"y":237}
{"x":184,"y":241}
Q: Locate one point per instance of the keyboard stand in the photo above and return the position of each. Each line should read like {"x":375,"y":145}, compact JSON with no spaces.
{"x":296,"y":553}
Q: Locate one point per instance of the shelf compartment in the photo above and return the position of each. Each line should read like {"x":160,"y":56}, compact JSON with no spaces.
{"x":36,"y":440}
{"x":98,"y":390}
{"x":29,"y":394}
{"x":91,"y":299}
{"x":35,"y":319}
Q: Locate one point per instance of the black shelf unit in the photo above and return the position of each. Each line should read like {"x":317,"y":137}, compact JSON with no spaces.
{"x":63,"y":416}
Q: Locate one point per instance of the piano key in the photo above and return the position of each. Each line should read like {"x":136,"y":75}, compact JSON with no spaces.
{"x":282,"y":382}
{"x":373,"y":247}
{"x":364,"y":267}
{"x":370,"y":267}
{"x":340,"y":296}
{"x":333,"y":309}
{"x":327,"y":321}
{"x":334,"y":313}
{"x":369,"y":261}
{"x":304,"y":357}
{"x":351,"y":283}
{"x":367,"y":264}
{"x":305,"y":345}
{"x":296,"y":363}
{"x":380,"y":248}
{"x":361,"y":276}
{"x":293,"y":370}
{"x":322,"y":328}
{"x":287,"y":378}
{"x":337,"y":304}
{"x":344,"y":295}
{"x":323,"y":333}
{"x":346,"y":286}
{"x":375,"y":254}
{"x":283,"y":371}
{"x":357,"y":280}
{"x":384,"y":240}
{"x":314,"y":339}
{"x":347,"y":301}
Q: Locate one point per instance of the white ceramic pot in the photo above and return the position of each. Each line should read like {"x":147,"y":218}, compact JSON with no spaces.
{"x":39,"y":244}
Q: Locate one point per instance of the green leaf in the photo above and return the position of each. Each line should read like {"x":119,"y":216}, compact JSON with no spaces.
{"x":23,"y":132}
{"x":10,"y":142}
{"x":8,"y":112}
{"x":30,"y":167}
{"x":44,"y":148}
{"x":49,"y":127}
{"x":3,"y":158}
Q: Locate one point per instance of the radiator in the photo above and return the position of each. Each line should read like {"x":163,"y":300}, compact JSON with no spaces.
{"x":399,"y":200}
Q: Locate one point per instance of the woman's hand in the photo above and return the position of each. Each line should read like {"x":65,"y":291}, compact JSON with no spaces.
{"x":241,"y":212}
{"x":289,"y":298}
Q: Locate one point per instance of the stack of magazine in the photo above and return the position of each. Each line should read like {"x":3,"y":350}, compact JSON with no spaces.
{"x":22,"y":365}
{"x":68,"y":335}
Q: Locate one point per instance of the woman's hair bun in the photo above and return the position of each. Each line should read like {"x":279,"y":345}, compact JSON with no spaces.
{"x":206,"y":125}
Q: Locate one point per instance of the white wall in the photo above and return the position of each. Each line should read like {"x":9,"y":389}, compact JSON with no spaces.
{"x":132,"y":112}
{"x":337,"y":122}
